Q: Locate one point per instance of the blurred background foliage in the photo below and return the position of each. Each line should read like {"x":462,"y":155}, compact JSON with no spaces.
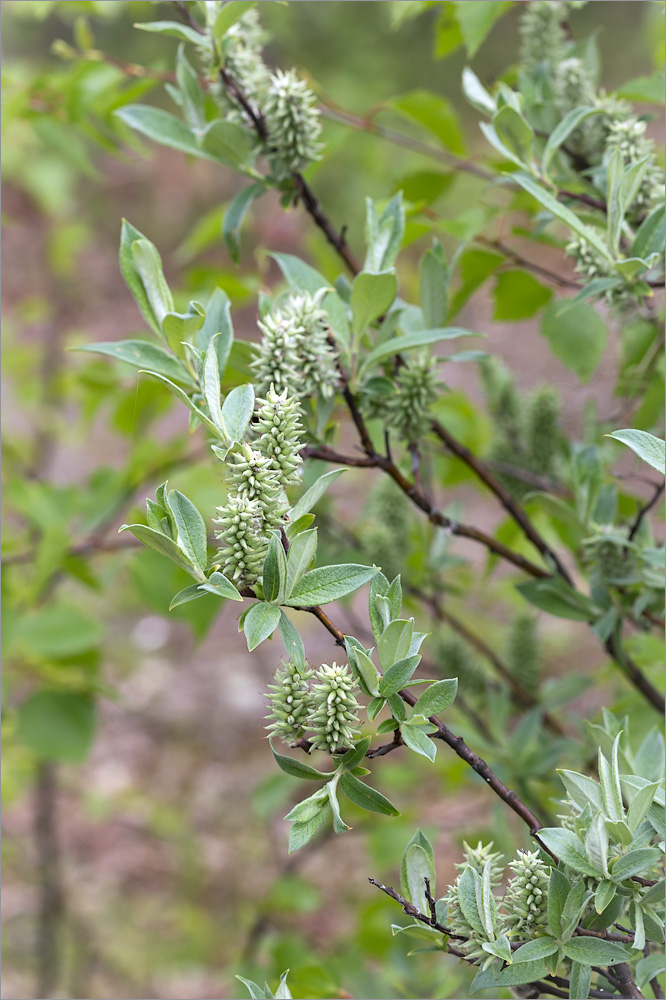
{"x":144,"y":838}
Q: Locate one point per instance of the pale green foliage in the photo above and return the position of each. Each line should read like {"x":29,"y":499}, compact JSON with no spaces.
{"x":334,"y":711}
{"x":542,"y":35}
{"x":477,"y":857}
{"x":242,"y":54}
{"x":385,"y":531}
{"x":293,"y":124}
{"x":628,"y":136}
{"x":242,"y":532}
{"x":526,"y":898}
{"x":523,"y":652}
{"x":408,"y":411}
{"x":289,"y":699}
{"x":573,"y":84}
{"x":279,"y":429}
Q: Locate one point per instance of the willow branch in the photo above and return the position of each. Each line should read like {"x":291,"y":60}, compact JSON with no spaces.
{"x":645,"y":509}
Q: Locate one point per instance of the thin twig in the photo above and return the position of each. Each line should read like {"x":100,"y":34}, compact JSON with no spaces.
{"x":51,"y":897}
{"x":645,"y":509}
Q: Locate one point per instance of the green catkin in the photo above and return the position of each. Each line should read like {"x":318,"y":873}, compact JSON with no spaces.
{"x":334,"y":708}
{"x":542,"y":431}
{"x":385,"y":534}
{"x":629,"y":137}
{"x":292,"y":119}
{"x":279,"y":429}
{"x":455,"y":658}
{"x":609,"y":557}
{"x":573,"y":86}
{"x":477,"y":858}
{"x":503,"y":400}
{"x":522,"y":655}
{"x":242,"y":59}
{"x":543,"y":41}
{"x":290,"y":699}
{"x":242,"y":534}
{"x":408,"y":410}
{"x":526,"y":897}
{"x":295,"y":353}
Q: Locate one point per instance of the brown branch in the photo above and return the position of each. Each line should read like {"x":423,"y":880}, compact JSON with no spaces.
{"x":645,"y":509}
{"x":413,"y":911}
{"x":50,"y":892}
{"x":313,"y":208}
{"x":626,"y":981}
{"x":528,"y":265}
{"x":584,"y":199}
{"x":613,"y":646}
{"x":323,"y":453}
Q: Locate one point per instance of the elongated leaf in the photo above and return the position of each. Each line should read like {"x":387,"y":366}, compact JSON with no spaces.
{"x":535,"y":950}
{"x":372,"y":296}
{"x":395,"y":641}
{"x":433,"y":289}
{"x":261,"y":621}
{"x":237,"y":411}
{"x":234,"y":215}
{"x":225,"y":142}
{"x":211,"y":385}
{"x":559,"y":599}
{"x":186,"y":595}
{"x":468,"y":899}
{"x":475,"y":19}
{"x":190,"y":92}
{"x":368,"y":675}
{"x":568,"y":848}
{"x":302,"y":833}
{"x":594,"y":951}
{"x":562,"y":213}
{"x":579,"y":981}
{"x":558,"y":890}
{"x":562,"y":131}
{"x":161,"y":127}
{"x":515,"y":132}
{"x":650,"y":237}
{"x":302,"y":551}
{"x":417,"y":867}
{"x":217,"y":321}
{"x":148,"y":266}
{"x":366,"y":797}
{"x":297,"y":769}
{"x":493,"y":138}
{"x":329,"y":583}
{"x":180,"y":328}
{"x":219,"y":585}
{"x":411,"y":341}
{"x":576,"y":334}
{"x":437,"y":698}
{"x":228,"y":16}
{"x":339,"y":824}
{"x":128,"y":236}
{"x":397,"y":675}
{"x":512,"y":975}
{"x":575,"y":906}
{"x":142,"y":354}
{"x":634,"y":862}
{"x":191,"y":527}
{"x":161,"y":543}
{"x":274,"y":576}
{"x":476,"y":93}
{"x":582,"y":789}
{"x":418,"y":741}
{"x":176,"y":30}
{"x":292,"y":642}
{"x":352,"y":758}
{"x":646,"y":446}
{"x":305,"y":504}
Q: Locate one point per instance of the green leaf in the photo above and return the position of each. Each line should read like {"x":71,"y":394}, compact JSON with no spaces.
{"x":580,"y":978}
{"x":191,"y":528}
{"x":186,"y":595}
{"x":420,"y":840}
{"x":228,"y":16}
{"x":576,"y":334}
{"x":644,"y":89}
{"x":469,"y":896}
{"x":219,"y":585}
{"x":648,"y":968}
{"x":604,"y":895}
{"x":397,"y":675}
{"x":234,"y":215}
{"x":411,"y":341}
{"x":582,"y":789}
{"x":372,"y":295}
{"x":562,"y":213}
{"x":437,"y":698}
{"x":515,"y":132}
{"x":594,"y":951}
{"x":640,"y":804}
{"x":329,"y":583}
{"x":297,"y":769}
{"x":596,"y":844}
{"x":368,"y":675}
{"x":261,"y":621}
{"x":179,"y":328}
{"x":300,"y":275}
{"x":650,"y":237}
{"x":476,"y":93}
{"x":128,"y":237}
{"x":575,"y":906}
{"x":148,"y":266}
{"x":557,"y":598}
{"x":282,"y":992}
{"x":568,"y":848}
{"x":57,"y":631}
{"x":562,"y":131}
{"x":211,"y":385}
{"x":292,"y":642}
{"x":648,"y":447}
{"x":274,"y":576}
{"x":493,"y":138}
{"x":518,"y":296}
{"x":558,"y":890}
{"x":512,"y":975}
{"x":383,"y":234}
{"x":305,"y":503}
{"x":417,"y":740}
{"x":176,"y":30}
{"x":535,"y":950}
{"x":366,"y":797}
{"x":57,"y":725}
{"x":417,"y":866}
{"x":142,"y":354}
{"x":433,"y":289}
{"x":161,"y":543}
{"x":225,"y":142}
{"x":301,"y":833}
{"x":237,"y":411}
{"x":476,"y":18}
{"x":190,"y":91}
{"x":395,"y":641}
{"x":302,"y":551}
{"x":435,"y":113}
{"x":217,"y":321}
{"x":634,"y":862}
{"x":161,"y":127}
{"x":339,"y":825}
{"x":352,"y":758}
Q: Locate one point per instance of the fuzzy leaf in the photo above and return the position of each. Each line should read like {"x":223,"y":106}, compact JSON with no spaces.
{"x":411,"y":341}
{"x":219,"y":585}
{"x":305,"y":503}
{"x":562,"y":131}
{"x":417,"y":867}
{"x":142,"y":354}
{"x":534,"y":950}
{"x":161,"y":127}
{"x":634,"y":862}
{"x":395,"y":641}
{"x":237,"y":411}
{"x":162,"y":543}
{"x":292,"y":642}
{"x":562,"y":213}
{"x":569,"y":849}
{"x":558,"y":890}
{"x":594,"y":951}
{"x":397,"y":675}
{"x":557,"y":598}
{"x":261,"y":621}
{"x":366,"y":797}
{"x":211,"y":385}
{"x":437,"y":698}
{"x":302,"y":551}
{"x":329,"y":583}
{"x":301,"y":833}
{"x":297,"y":769}
{"x":234,"y":215}
{"x":191,"y":528}
{"x":419,"y":742}
{"x":512,"y":975}
{"x":372,"y":296}
{"x":648,"y":447}
{"x":225,"y":142}
{"x":579,"y":981}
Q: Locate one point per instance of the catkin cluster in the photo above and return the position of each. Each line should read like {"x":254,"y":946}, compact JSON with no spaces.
{"x":294,"y":352}
{"x":282,"y":101}
{"x":258,"y":475}
{"x":326,"y":709}
{"x":526,"y":896}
